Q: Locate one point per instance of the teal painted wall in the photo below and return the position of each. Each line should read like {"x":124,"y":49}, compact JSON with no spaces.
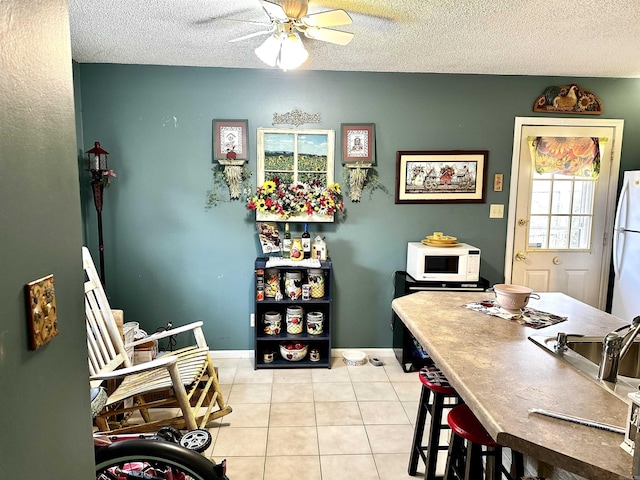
{"x":169,"y":259}
{"x":44,"y":394}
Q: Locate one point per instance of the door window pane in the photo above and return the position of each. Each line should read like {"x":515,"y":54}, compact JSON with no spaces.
{"x":561,"y":197}
{"x":538,"y":231}
{"x":580,"y":232}
{"x":540,"y":197}
{"x":561,"y":212}
{"x":559,"y":232}
{"x":583,"y":194}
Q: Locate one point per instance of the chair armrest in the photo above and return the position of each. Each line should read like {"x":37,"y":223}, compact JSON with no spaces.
{"x":166,"y":333}
{"x":161,"y":362}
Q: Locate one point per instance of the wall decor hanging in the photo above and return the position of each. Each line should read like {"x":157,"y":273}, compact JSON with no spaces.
{"x":231,"y":151}
{"x":568,"y":99}
{"x":456,"y":176}
{"x":43,"y":316}
{"x":295,"y":117}
{"x":295,"y":176}
{"x":358,"y":154}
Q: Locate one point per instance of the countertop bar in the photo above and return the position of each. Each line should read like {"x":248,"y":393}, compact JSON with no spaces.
{"x":501,"y":374}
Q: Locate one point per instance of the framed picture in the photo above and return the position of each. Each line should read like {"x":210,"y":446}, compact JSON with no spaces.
{"x":358,"y":143}
{"x":293,"y":155}
{"x":456,"y":176}
{"x":230,"y":139}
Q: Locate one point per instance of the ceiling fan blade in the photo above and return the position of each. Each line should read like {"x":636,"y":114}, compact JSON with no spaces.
{"x":275,"y":11}
{"x":329,"y":35}
{"x":251,"y":35}
{"x":330,"y":18}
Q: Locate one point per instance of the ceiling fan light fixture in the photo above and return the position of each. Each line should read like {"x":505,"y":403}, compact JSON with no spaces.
{"x":269,"y":51}
{"x":292,"y":52}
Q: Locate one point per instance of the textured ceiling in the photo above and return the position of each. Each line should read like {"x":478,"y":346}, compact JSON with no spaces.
{"x":596,"y":38}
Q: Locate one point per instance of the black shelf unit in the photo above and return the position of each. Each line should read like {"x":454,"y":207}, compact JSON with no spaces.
{"x":405,"y":349}
{"x":322,"y":342}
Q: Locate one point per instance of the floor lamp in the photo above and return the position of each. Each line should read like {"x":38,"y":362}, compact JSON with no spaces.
{"x":100,"y":173}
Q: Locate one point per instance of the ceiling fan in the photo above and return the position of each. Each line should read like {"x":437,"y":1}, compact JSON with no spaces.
{"x":284,"y":48}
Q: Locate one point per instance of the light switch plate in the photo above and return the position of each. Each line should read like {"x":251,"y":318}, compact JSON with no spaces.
{"x":496,"y":211}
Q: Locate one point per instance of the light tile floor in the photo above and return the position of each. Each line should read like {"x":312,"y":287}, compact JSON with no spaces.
{"x":340,"y":423}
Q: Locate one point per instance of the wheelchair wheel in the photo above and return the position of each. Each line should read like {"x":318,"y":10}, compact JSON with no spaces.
{"x":153,"y":459}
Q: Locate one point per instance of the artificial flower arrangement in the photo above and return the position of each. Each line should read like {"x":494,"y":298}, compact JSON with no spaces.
{"x":296,"y":199}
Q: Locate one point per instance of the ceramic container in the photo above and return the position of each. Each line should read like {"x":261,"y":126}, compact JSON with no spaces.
{"x":513,"y":298}
{"x":294,"y":319}
{"x":314,"y":323}
{"x":316,"y":280}
{"x":272,"y":323}
{"x":292,"y":354}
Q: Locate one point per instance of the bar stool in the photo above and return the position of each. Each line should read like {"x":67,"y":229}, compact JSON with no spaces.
{"x":465,"y":462}
{"x":435,"y":390}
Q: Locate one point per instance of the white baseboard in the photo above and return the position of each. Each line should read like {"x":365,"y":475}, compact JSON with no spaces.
{"x":231,"y":353}
{"x":335,"y":352}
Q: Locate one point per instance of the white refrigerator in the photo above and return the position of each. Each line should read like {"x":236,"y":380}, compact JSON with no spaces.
{"x":626,"y":250}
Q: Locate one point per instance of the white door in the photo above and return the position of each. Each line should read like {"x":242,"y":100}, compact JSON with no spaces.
{"x":560,"y":225}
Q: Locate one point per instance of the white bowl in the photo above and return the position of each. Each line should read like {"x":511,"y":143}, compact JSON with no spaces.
{"x":293,"y":355}
{"x":354,"y":358}
{"x":513,"y":298}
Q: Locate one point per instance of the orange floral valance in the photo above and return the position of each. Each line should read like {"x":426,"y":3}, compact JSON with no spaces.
{"x":578,"y":156}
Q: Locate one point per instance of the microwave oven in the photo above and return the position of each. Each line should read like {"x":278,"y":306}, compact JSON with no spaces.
{"x":458,"y":263}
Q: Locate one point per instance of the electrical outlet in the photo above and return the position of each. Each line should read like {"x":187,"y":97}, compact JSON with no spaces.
{"x":496,"y":211}
{"x":252,"y":320}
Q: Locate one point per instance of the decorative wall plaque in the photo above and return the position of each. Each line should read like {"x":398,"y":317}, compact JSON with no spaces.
{"x":568,"y":99}
{"x":295,"y":117}
{"x":41,"y":305}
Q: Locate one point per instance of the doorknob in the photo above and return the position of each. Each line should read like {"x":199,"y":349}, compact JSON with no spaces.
{"x":522,"y":222}
{"x":520,"y":256}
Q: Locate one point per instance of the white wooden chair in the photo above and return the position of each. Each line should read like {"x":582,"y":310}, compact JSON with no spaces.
{"x":185,"y":378}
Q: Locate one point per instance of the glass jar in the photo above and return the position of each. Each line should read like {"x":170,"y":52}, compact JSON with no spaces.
{"x":272,"y":323}
{"x":271,"y":283}
{"x":314,"y":323}
{"x":316,"y":280}
{"x":293,"y":284}
{"x":294,"y":320}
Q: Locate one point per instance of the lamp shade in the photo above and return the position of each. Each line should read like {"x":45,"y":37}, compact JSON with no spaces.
{"x":97,"y":158}
{"x":284,"y":50}
{"x":269,"y":51}
{"x":292,"y":53}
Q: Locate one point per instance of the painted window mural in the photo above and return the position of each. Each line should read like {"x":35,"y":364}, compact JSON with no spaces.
{"x":296,"y":156}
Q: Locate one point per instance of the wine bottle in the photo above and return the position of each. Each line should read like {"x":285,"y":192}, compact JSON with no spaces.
{"x":286,"y":242}
{"x":306,"y":241}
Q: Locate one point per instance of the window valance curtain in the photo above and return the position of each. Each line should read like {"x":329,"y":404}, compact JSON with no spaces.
{"x":578,"y":156}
